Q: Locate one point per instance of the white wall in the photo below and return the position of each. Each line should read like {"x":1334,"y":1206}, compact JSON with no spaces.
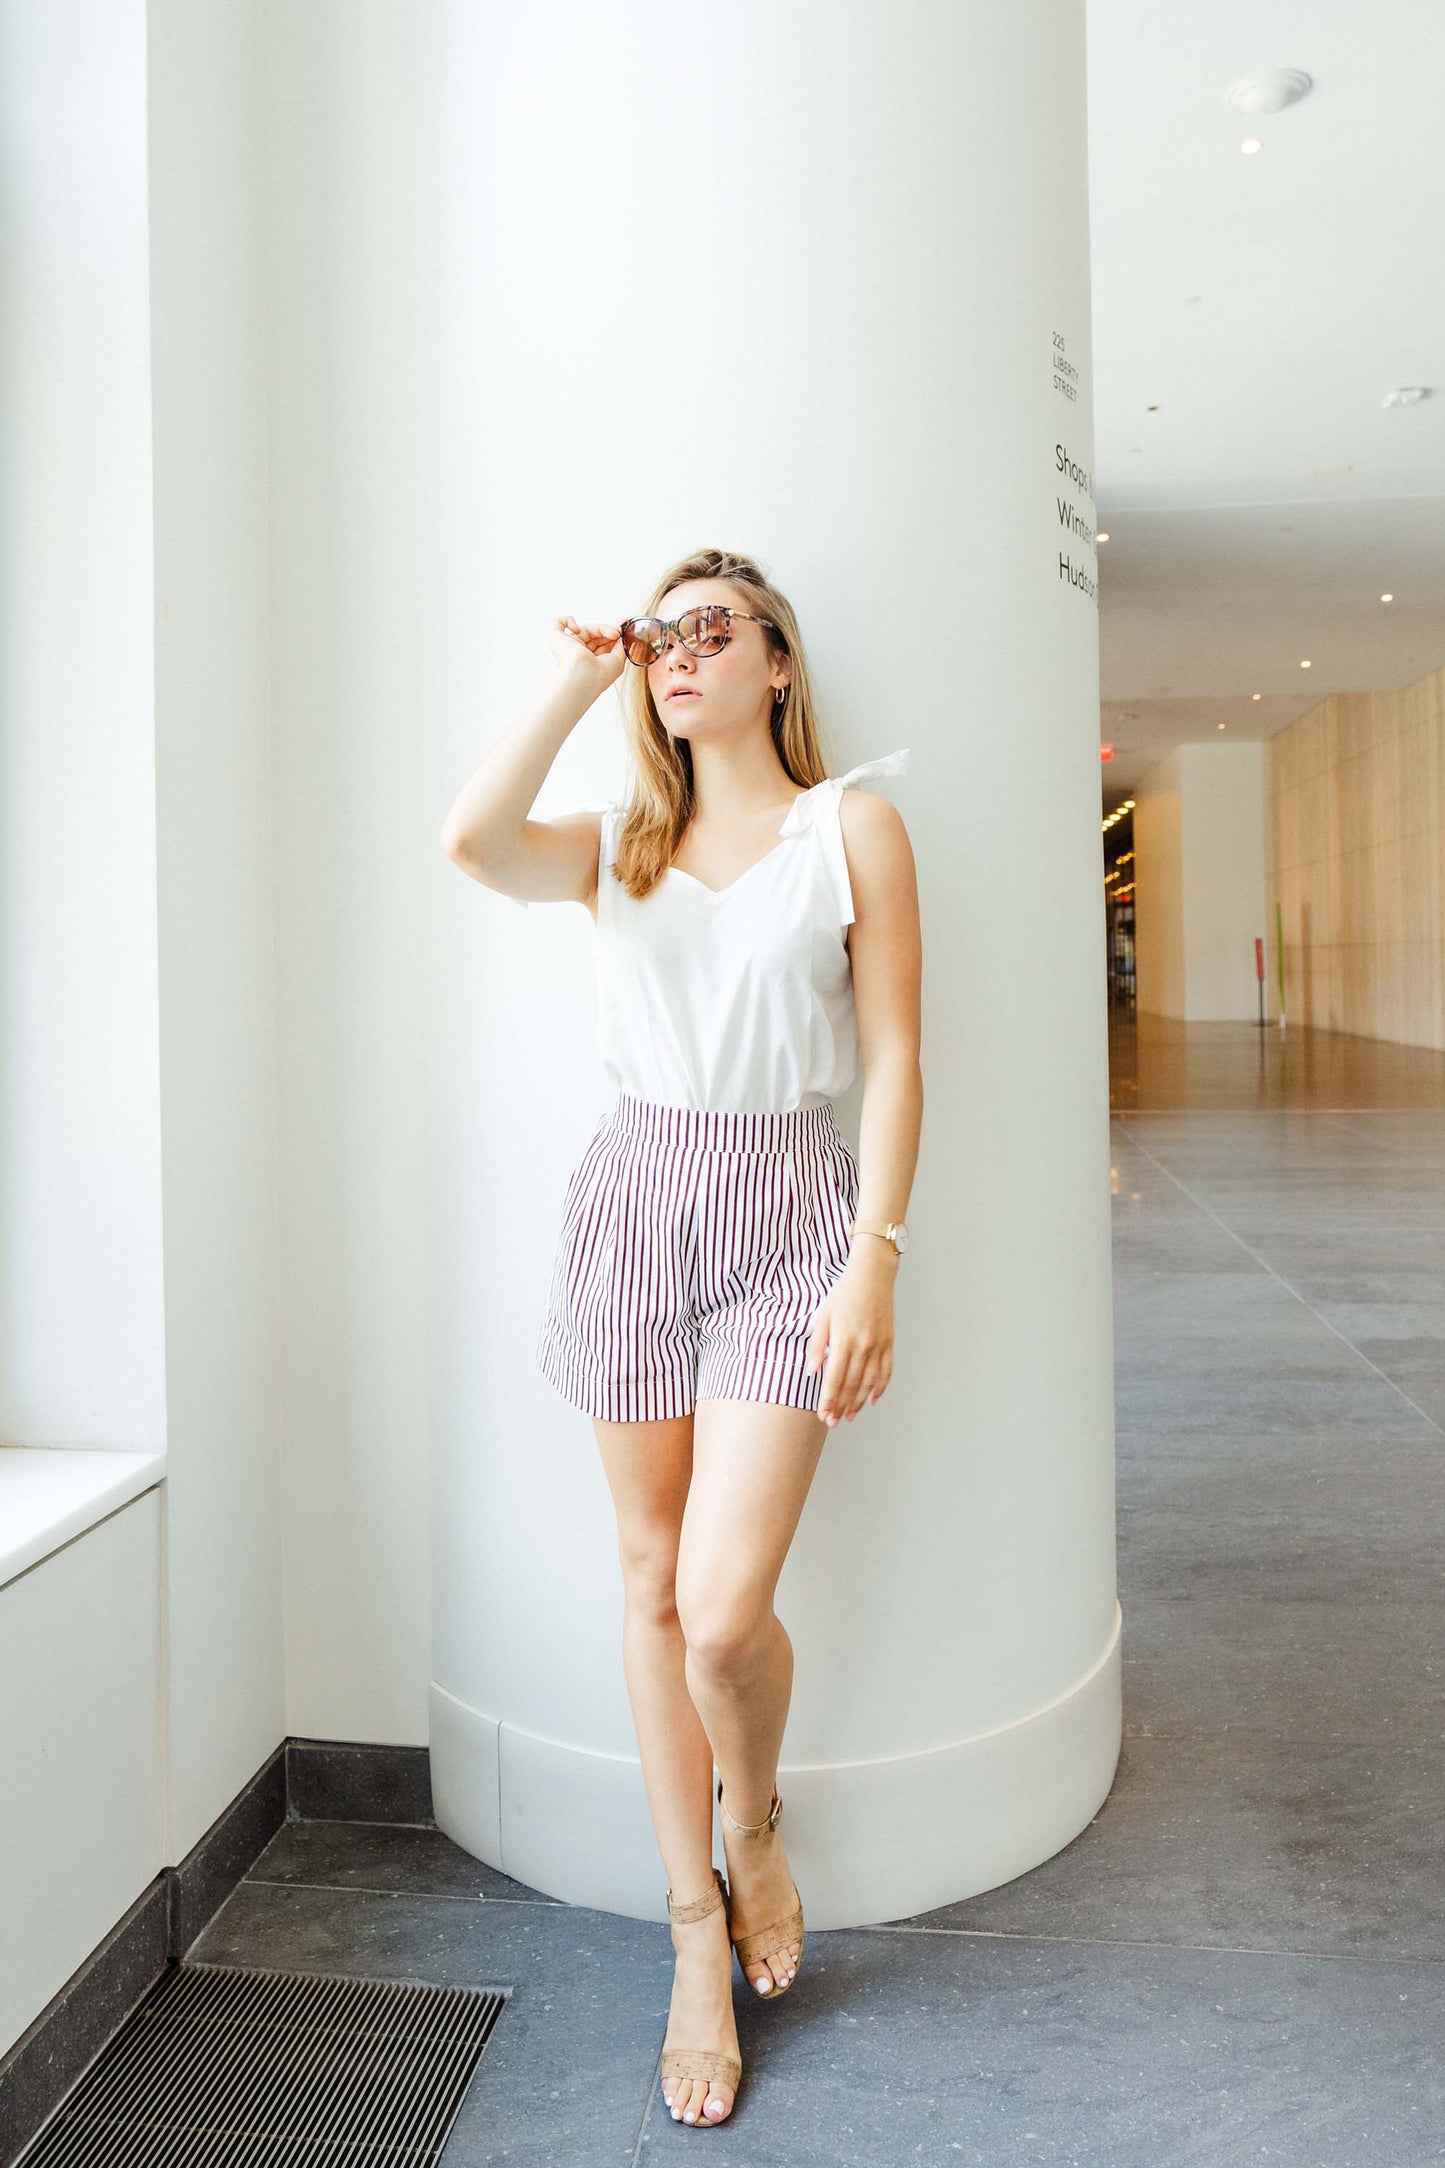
{"x":82,"y":1330}
{"x":1224,"y":886}
{"x":1159,"y":954}
{"x":1199,"y":862}
{"x":80,"y":1265}
{"x":219,"y":931}
{"x":213,"y":841}
{"x":212,"y":846}
{"x":293,"y":842}
{"x":356,"y":846}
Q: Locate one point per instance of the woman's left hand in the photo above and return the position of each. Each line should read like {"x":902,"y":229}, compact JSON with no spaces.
{"x":853,"y":1329}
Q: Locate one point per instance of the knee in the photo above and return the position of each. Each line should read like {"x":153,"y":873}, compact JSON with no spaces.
{"x":726,"y":1637}
{"x":649,"y":1581}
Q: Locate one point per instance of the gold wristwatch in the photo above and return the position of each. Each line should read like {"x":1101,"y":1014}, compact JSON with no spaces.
{"x":893,"y":1231}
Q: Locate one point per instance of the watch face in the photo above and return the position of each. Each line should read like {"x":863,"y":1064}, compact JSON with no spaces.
{"x":900,"y":1235}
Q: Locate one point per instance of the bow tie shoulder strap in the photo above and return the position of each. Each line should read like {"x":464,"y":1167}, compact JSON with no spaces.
{"x":830,"y":828}
{"x":885,"y":764}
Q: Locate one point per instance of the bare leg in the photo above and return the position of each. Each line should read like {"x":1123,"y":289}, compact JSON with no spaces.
{"x":753,"y":1463}
{"x":648,"y":1467}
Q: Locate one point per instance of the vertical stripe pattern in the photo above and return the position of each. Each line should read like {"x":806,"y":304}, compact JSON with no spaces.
{"x":695,"y":1248}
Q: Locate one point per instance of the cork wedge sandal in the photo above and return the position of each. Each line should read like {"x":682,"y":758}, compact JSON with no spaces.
{"x":702,"y":2064}
{"x":766,"y":1943}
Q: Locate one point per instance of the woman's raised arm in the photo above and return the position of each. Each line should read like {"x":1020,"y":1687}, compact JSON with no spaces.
{"x":487,"y":832}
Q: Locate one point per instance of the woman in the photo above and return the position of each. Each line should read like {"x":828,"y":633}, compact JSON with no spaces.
{"x":722,"y":1292}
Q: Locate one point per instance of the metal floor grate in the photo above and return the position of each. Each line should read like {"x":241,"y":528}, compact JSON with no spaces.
{"x":233,"y":2067}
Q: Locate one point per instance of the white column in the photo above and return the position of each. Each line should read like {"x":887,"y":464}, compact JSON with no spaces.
{"x":1199,"y":894}
{"x":812,"y":283}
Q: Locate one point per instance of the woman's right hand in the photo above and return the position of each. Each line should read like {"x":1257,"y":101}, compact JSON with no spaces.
{"x":592,"y":654}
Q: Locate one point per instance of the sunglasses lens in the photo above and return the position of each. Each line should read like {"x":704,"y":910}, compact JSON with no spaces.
{"x":704,"y":631}
{"x":642,"y":639}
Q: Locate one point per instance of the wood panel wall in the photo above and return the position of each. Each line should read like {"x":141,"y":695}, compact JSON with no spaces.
{"x":1355,"y":840}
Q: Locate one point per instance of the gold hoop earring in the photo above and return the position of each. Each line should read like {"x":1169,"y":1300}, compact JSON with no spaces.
{"x":780,"y":692}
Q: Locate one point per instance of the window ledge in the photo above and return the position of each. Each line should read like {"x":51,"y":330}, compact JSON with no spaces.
{"x":49,"y":1494}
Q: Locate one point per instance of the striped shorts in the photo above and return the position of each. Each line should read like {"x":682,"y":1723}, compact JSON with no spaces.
{"x":695,"y":1249}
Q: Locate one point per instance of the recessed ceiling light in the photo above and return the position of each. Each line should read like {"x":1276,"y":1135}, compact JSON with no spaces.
{"x":1250,"y":145}
{"x":1101,"y":538}
{"x":1269,"y":90}
{"x":1256,"y":696}
{"x":1304,"y":666}
{"x":1387,"y":598}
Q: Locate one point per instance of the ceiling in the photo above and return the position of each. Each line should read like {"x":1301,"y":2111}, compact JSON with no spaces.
{"x":1263,"y":305}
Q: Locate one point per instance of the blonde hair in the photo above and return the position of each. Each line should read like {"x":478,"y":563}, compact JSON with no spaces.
{"x":663,"y":799}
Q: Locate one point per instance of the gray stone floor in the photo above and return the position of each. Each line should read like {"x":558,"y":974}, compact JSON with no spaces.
{"x":1240,"y":1960}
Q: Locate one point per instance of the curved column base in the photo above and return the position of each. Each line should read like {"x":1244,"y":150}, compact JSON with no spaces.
{"x":868,"y":1841}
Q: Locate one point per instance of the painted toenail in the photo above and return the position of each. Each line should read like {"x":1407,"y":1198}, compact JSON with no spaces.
{"x":714,"y":2107}
{"x":691,"y":2116}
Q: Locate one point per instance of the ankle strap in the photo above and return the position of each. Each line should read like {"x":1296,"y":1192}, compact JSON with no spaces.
{"x":750,"y":1829}
{"x":698,"y":1908}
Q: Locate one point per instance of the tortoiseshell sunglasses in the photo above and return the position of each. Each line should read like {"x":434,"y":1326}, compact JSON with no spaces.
{"x":704,"y":631}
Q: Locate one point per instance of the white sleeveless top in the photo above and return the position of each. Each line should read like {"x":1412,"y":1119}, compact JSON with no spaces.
{"x":737,"y":999}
